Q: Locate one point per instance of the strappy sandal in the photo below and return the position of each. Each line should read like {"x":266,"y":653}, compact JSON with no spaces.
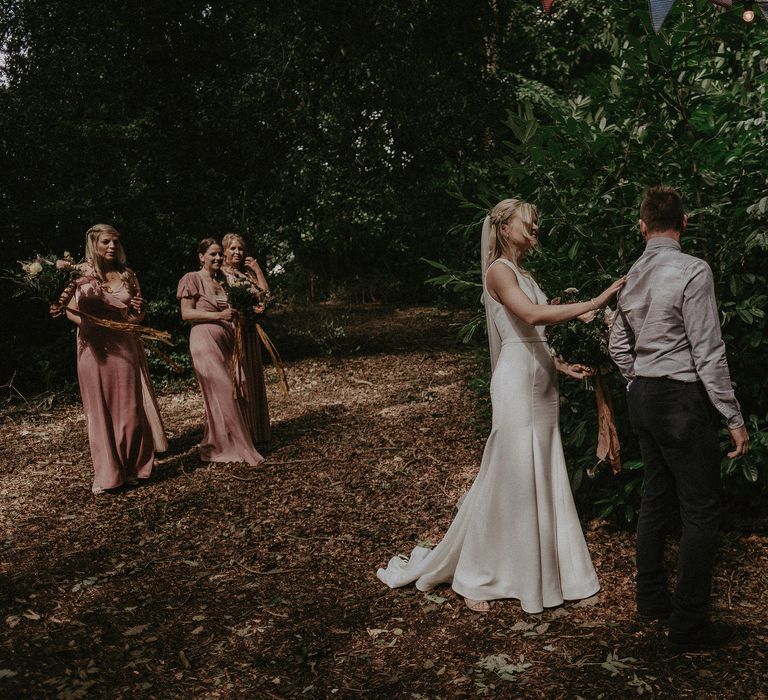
{"x":478,"y":606}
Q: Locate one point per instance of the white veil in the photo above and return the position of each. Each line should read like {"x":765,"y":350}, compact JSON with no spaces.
{"x":487,"y":246}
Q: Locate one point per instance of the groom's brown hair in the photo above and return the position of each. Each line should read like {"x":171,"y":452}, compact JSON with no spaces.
{"x":662,"y":209}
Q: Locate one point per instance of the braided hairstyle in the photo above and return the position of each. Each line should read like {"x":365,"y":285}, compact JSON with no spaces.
{"x":505,"y":210}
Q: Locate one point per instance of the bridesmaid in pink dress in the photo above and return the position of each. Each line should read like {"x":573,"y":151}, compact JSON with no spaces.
{"x":254,"y":398}
{"x":211,"y":343}
{"x":124,"y":425}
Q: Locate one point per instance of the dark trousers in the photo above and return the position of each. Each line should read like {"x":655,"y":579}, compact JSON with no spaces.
{"x":677,"y":427}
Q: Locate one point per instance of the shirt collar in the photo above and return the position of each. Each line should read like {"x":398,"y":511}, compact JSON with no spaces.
{"x":656,"y":243}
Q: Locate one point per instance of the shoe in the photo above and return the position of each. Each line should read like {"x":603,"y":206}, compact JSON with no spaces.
{"x":478,"y":606}
{"x":712,"y":635}
{"x":97,"y":490}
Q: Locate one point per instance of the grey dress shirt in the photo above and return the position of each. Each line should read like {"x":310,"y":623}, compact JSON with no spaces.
{"x":667,"y":325}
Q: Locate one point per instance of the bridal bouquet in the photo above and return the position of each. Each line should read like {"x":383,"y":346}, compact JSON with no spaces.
{"x":244,"y":297}
{"x":46,"y":277}
{"x":583,"y":340}
{"x":249,"y":301}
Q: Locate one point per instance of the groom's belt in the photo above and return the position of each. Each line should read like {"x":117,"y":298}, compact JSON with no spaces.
{"x":668,"y":379}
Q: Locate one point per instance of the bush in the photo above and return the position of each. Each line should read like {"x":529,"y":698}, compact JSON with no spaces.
{"x":688,"y":109}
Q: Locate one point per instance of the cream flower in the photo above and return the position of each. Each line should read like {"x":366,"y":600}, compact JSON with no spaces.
{"x":34,"y":269}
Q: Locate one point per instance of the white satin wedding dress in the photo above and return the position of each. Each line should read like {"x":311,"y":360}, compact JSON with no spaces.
{"x":517,"y":533}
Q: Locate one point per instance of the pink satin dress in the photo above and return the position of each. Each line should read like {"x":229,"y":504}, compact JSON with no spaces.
{"x":124,"y":425}
{"x":253,"y":399}
{"x":226,"y":438}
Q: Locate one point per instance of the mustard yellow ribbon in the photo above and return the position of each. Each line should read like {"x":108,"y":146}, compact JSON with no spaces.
{"x":608,"y":446}
{"x":238,"y":355}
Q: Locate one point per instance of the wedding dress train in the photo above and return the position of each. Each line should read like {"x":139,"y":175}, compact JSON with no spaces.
{"x":517,"y":533}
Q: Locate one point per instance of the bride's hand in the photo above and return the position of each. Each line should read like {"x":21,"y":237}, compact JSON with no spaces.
{"x":576,"y":371}
{"x":606,"y":295}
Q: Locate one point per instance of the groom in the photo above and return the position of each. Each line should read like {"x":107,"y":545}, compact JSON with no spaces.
{"x":666,"y":341}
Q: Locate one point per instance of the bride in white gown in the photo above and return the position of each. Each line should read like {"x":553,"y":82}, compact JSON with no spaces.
{"x":517,"y":533}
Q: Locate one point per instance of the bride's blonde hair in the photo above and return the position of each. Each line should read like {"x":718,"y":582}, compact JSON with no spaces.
{"x":505,"y":210}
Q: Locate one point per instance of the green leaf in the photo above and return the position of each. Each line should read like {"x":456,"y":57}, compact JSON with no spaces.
{"x":749,"y":469}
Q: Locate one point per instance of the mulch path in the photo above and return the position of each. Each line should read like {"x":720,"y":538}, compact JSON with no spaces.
{"x":223,"y":581}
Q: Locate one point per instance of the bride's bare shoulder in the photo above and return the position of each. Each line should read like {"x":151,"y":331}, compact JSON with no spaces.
{"x":500,"y":272}
{"x":499,"y":277}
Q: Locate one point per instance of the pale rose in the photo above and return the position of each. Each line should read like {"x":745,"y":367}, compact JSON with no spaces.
{"x":34,"y":269}
{"x":63,"y":264}
{"x":571,"y":290}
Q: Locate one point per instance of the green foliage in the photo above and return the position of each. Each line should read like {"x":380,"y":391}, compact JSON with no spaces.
{"x":686,"y":108}
{"x":468,"y":285}
{"x":327,"y":134}
{"x":581,"y":341}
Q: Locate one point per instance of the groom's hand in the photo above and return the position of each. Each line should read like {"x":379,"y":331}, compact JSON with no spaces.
{"x":739,"y":440}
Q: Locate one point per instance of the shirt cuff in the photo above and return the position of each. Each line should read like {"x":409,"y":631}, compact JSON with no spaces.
{"x":735,"y":421}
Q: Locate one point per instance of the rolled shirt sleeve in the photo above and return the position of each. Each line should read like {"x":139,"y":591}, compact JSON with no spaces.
{"x":702,"y":326}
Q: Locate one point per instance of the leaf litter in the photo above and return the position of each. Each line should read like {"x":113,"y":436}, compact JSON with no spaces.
{"x":223,"y":581}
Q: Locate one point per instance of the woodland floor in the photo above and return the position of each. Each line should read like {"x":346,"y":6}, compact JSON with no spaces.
{"x":222,"y":581}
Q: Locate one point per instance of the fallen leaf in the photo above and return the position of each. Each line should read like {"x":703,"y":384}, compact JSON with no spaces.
{"x":520,"y":626}
{"x":133,"y":631}
{"x":587,"y":602}
{"x":434,"y":598}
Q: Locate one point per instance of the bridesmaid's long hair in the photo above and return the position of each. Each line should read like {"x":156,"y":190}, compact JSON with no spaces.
{"x":93,"y":259}
{"x":505,"y":210}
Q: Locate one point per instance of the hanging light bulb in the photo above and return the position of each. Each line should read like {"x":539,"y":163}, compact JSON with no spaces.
{"x":749,"y":14}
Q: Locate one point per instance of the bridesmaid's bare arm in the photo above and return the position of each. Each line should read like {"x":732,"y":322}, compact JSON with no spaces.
{"x":189,"y":312}
{"x":72,"y":304}
{"x":138,"y":309}
{"x":254,"y":267}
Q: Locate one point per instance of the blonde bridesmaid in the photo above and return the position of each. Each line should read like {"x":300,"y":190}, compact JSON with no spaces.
{"x":237,"y":265}
{"x":211,"y":342}
{"x":124,"y":425}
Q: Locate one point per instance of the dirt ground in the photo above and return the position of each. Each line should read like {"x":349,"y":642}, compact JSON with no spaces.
{"x":224,"y":581}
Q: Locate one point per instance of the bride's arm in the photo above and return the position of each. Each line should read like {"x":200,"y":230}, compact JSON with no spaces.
{"x":503,"y":286}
